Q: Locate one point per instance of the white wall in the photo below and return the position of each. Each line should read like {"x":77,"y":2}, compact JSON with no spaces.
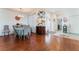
{"x":73,"y":17}
{"x":7,"y":18}
{"x":67,"y":12}
{"x":74,"y":21}
{"x":33,"y":22}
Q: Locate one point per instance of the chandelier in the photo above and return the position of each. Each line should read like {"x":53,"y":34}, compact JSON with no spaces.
{"x":19,"y":16}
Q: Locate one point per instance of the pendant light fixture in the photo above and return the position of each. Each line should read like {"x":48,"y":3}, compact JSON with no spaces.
{"x":19,"y":16}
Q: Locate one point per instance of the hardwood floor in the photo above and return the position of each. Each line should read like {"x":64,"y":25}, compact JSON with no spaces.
{"x":47,"y":42}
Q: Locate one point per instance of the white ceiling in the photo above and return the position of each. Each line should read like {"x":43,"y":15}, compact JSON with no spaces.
{"x":57,"y":11}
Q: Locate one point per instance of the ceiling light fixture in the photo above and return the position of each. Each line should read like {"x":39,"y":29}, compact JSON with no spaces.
{"x":19,"y":16}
